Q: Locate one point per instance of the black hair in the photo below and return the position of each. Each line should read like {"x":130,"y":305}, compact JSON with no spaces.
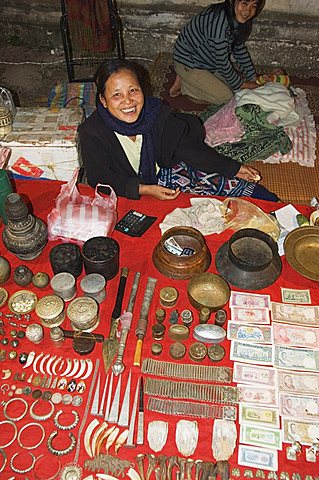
{"x":243,"y":30}
{"x":107,"y":68}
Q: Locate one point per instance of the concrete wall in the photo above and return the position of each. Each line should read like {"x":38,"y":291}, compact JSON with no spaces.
{"x":286,"y":33}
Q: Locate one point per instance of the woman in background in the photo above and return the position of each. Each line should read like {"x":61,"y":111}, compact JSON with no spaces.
{"x":134,"y":144}
{"x":208,"y":47}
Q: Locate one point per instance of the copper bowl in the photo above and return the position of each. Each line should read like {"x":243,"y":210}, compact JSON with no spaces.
{"x":208,"y":290}
{"x":182,"y":266}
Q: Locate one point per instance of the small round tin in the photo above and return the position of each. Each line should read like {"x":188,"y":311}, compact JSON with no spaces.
{"x":63,"y":285}
{"x":23,"y":301}
{"x":204,"y":315}
{"x":220,"y":317}
{"x":177,"y":350}
{"x":197,"y":351}
{"x":157,"y":348}
{"x":93,"y":285}
{"x":83,"y":314}
{"x":34,"y":333}
{"x":66,"y":257}
{"x":101,"y":255}
{"x":168,"y":296}
{"x":160,"y":315}
{"x":178,"y":332}
{"x":216,"y":353}
{"x":158,"y":331}
{"x":57,"y":336}
{"x":3,"y":296}
{"x":187,"y":317}
{"x":50,"y":310}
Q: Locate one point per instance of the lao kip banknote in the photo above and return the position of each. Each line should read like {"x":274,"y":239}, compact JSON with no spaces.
{"x":295,"y":335}
{"x":298,"y":382}
{"x":289,"y":295}
{"x":301,"y":407}
{"x":249,"y":300}
{"x":258,"y":395}
{"x":261,"y":436}
{"x":251,"y":353}
{"x":262,"y":416}
{"x":256,"y":457}
{"x":295,"y":430}
{"x":249,"y":333}
{"x":293,"y":358}
{"x":257,"y":315}
{"x":255,"y":374}
{"x":297,"y":314}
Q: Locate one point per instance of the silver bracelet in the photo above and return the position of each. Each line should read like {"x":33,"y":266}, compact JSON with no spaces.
{"x":27,"y":426}
{"x":66,"y":427}
{"x":57,"y":452}
{"x":16,"y":470}
{"x":4,"y":456}
{"x":9,"y":422}
{"x":16,"y":399}
{"x":41,"y":418}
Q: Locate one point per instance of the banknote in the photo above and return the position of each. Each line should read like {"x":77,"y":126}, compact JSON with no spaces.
{"x":289,"y":295}
{"x":251,"y":353}
{"x":293,"y":358}
{"x":249,"y":333}
{"x":296,"y":406}
{"x":300,"y":431}
{"x":258,"y":315}
{"x":298,"y":382}
{"x":257,"y":457}
{"x":297,"y":314}
{"x":295,"y":335}
{"x":258,"y":395}
{"x":254,"y":374}
{"x":250,"y":300}
{"x":263,"y":416}
{"x":261,"y":436}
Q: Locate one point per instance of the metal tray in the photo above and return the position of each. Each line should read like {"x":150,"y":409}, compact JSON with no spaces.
{"x":301,"y":248}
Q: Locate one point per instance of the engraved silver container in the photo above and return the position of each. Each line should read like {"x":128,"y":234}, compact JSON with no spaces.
{"x":83,"y":314}
{"x":50,"y":310}
{"x":64,"y":285}
{"x":93,"y":285}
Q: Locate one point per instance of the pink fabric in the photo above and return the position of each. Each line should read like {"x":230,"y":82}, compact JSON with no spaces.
{"x":4,"y":156}
{"x":224,"y":126}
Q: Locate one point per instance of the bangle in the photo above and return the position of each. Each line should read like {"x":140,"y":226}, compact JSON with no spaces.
{"x":41,"y":418}
{"x":46,"y":459}
{"x":4,"y":456}
{"x":66,"y":427}
{"x":57,"y":452}
{"x":16,"y":399}
{"x":16,"y":470}
{"x":9,"y":422}
{"x":24,"y":428}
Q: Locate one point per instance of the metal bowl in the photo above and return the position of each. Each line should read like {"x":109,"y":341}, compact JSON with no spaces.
{"x":208,"y":290}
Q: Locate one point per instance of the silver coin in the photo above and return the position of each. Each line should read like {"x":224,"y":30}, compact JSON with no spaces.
{"x":56,"y":398}
{"x":77,"y":401}
{"x":67,"y":399}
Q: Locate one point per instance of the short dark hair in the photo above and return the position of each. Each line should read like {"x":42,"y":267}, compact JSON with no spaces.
{"x":107,"y":68}
{"x":243,"y":29}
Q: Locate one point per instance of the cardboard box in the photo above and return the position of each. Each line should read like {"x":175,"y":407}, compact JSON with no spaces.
{"x":44,"y":143}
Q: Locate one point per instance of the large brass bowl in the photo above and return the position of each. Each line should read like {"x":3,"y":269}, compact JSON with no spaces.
{"x":208,"y":290}
{"x":301,"y":248}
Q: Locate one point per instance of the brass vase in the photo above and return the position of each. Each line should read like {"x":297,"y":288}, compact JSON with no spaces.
{"x":25,"y":235}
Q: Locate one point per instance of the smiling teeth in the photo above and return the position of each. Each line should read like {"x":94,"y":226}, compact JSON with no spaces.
{"x":129,"y":110}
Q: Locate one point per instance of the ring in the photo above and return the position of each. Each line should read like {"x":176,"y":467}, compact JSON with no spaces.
{"x":16,"y":399}
{"x":9,"y":422}
{"x":24,"y":428}
{"x":16,"y":470}
{"x":41,"y":418}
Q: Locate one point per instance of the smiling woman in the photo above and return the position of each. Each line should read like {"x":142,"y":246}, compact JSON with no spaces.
{"x":206,"y":47}
{"x":132,"y":143}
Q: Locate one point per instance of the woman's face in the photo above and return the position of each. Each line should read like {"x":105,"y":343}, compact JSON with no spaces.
{"x":123,"y":96}
{"x":245,"y":10}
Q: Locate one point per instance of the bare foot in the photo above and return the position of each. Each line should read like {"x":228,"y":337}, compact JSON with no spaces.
{"x":175,"y":89}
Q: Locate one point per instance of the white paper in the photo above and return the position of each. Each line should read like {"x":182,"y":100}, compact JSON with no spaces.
{"x":286,"y":216}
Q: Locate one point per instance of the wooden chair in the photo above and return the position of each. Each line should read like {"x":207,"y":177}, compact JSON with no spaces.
{"x":91,"y":32}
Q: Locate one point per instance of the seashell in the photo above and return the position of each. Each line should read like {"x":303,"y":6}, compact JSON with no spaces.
{"x":157,"y":434}
{"x":209,"y":333}
{"x":186,"y":437}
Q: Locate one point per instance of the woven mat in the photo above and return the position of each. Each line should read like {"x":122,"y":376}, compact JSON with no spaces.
{"x":292,"y":182}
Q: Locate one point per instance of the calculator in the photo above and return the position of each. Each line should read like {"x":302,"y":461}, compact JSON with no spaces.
{"x":134,"y":223}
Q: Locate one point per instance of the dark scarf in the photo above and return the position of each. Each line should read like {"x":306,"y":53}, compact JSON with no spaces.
{"x":142,"y":126}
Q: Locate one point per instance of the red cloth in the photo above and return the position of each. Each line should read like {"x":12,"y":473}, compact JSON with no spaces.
{"x":136,"y":254}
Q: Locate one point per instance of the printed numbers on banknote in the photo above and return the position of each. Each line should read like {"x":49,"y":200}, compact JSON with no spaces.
{"x":258,"y":457}
{"x":251,"y":353}
{"x":250,"y":315}
{"x":296,"y":314}
{"x":258,"y":395}
{"x":262,"y":416}
{"x":255,"y":374}
{"x":249,"y":333}
{"x":249,"y":300}
{"x":289,"y":295}
{"x":296,"y":358}
{"x":261,"y":436}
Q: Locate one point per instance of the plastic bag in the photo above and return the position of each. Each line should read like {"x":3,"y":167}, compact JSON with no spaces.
{"x":240,"y":214}
{"x":77,"y":217}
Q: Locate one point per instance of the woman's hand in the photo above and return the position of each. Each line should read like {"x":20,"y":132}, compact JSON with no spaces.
{"x":157,"y":191}
{"x":249,"y":85}
{"x":248,"y":173}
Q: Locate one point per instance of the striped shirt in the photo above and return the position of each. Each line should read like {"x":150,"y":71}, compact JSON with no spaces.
{"x":206,"y":42}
